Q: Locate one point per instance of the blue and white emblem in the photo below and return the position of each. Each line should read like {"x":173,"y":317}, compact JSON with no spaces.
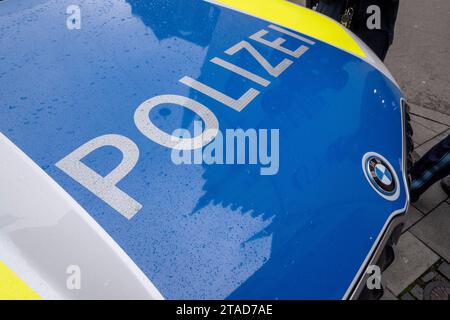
{"x":381,"y":175}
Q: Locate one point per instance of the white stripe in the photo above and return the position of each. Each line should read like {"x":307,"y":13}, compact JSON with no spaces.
{"x":44,"y":230}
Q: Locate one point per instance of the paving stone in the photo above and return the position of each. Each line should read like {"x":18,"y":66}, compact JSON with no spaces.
{"x":444,"y":268}
{"x":417,"y":292}
{"x":388,"y":295}
{"x":429,"y":114}
{"x":432,"y":125}
{"x":429,"y":276}
{"x":407,"y":296}
{"x":431,"y":198}
{"x":440,"y":278}
{"x":412,"y":259}
{"x":421,"y":133}
{"x":412,"y":216}
{"x":429,"y":144}
{"x":434,"y":230}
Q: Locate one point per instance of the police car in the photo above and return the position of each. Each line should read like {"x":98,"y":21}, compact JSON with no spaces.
{"x":93,"y":204}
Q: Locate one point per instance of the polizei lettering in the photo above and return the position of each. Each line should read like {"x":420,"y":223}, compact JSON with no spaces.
{"x":106,"y":187}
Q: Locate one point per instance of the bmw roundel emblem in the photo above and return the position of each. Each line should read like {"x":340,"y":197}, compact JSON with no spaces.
{"x":381,"y":175}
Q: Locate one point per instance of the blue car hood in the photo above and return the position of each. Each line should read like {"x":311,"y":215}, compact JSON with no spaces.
{"x":208,"y":231}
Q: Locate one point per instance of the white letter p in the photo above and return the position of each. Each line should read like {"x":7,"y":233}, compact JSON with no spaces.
{"x":105,"y":187}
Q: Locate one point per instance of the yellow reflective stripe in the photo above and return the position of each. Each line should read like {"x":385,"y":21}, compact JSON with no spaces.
{"x":13,"y":288}
{"x":300,"y":19}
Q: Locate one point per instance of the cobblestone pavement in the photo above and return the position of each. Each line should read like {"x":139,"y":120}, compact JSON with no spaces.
{"x":423,"y":251}
{"x":418,"y":60}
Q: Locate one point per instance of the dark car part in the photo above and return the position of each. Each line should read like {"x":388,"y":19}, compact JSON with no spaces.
{"x":384,"y":257}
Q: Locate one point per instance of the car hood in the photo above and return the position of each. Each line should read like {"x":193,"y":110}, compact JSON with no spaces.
{"x":205,"y":231}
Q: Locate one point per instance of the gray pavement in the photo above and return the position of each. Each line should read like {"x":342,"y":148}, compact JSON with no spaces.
{"x":419,"y":57}
{"x":419,"y":60}
{"x":423,"y":251}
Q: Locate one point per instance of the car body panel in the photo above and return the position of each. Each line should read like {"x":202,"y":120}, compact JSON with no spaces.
{"x":52,"y":245}
{"x":208,"y":231}
{"x":305,"y":21}
{"x":12,"y":287}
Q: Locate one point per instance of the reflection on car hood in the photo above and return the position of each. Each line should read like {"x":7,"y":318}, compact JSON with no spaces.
{"x":208,"y":231}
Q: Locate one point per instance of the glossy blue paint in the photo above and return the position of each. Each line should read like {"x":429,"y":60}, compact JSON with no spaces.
{"x":204,"y":231}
